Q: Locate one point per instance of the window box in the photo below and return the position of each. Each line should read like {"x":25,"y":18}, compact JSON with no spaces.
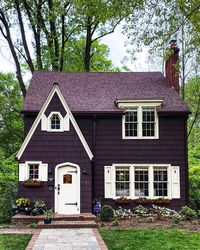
{"x":123,"y":200}
{"x":161,"y":201}
{"x":32,"y":183}
{"x":143,"y":201}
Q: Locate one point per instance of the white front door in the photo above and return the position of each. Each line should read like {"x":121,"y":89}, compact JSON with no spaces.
{"x":68,"y":190}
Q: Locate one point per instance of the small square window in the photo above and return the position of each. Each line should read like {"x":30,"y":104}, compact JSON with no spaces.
{"x":34,"y":171}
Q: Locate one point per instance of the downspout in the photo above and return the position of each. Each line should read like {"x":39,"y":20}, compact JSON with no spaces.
{"x":94,"y":153}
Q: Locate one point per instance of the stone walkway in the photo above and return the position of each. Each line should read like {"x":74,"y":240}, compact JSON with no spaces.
{"x":67,"y":239}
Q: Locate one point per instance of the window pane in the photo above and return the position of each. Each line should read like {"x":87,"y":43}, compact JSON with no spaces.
{"x":33,"y":171}
{"x":141,"y":181}
{"x":122,"y":189}
{"x":122,"y":174}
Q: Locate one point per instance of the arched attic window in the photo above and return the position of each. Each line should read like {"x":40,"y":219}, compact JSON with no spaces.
{"x":55,"y":122}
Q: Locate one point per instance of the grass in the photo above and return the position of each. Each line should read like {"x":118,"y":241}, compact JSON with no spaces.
{"x":143,"y":239}
{"x":14,"y":241}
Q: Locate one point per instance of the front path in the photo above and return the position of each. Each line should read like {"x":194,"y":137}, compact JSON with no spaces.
{"x":67,"y":239}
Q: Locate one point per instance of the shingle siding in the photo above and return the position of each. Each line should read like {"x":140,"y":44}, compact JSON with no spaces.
{"x":108,"y":148}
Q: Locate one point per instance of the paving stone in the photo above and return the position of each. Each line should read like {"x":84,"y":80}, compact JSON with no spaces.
{"x":66,"y":239}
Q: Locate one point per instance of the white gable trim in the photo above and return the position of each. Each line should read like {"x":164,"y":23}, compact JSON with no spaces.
{"x":54,"y":90}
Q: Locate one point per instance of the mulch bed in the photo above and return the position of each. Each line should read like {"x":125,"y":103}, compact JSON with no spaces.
{"x":165,"y":223}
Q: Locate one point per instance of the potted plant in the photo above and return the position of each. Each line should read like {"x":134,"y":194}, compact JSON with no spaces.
{"x":22,"y":204}
{"x":40,"y":206}
{"x":48,"y":215}
{"x":32,"y":183}
{"x":123,"y":200}
{"x":161,"y":201}
{"x":142,"y":200}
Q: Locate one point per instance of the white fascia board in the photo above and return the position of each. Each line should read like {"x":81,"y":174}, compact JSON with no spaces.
{"x":139,"y":101}
{"x":54,"y":90}
{"x":124,"y":104}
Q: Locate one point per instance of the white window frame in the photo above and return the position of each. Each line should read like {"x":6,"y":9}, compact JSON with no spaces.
{"x":27,"y":165}
{"x":49,"y":122}
{"x":151,"y":180}
{"x":139,"y":108}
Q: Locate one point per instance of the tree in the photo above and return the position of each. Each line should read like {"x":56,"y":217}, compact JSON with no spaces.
{"x":11,"y":129}
{"x":53,"y":25}
{"x":159,"y":22}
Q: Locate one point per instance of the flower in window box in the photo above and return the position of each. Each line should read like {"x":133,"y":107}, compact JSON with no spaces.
{"x":143,"y":200}
{"x":123,"y":200}
{"x":32,"y":183}
{"x":162,"y":201}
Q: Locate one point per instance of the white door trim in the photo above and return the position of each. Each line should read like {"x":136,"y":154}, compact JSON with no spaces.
{"x":56,"y":182}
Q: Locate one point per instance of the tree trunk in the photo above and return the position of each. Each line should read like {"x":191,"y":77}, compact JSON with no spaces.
{"x":88,"y":46}
{"x":21,"y":25}
{"x":12,"y":49}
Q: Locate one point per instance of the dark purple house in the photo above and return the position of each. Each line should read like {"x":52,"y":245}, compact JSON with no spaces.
{"x":104,"y":136}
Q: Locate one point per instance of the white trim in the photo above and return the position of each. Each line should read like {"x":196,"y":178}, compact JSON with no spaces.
{"x":56,"y":182}
{"x":151,"y":179}
{"x":54,"y":90}
{"x":27,"y":163}
{"x":139,"y":108}
{"x":49,"y":129}
{"x":125,"y":103}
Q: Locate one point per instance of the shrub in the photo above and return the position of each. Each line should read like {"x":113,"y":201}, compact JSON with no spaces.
{"x":115,"y":223}
{"x":123,"y":213}
{"x":176,"y":219}
{"x":141,"y":210}
{"x":106,"y":213}
{"x":187,"y":213}
{"x":194,"y":178}
{"x":163,"y":211}
{"x":5,"y":206}
{"x":23,"y":202}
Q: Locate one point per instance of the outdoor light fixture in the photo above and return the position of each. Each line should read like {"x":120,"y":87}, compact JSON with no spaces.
{"x":84,"y":171}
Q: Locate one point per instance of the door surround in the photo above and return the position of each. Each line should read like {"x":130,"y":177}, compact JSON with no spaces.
{"x":65,"y":164}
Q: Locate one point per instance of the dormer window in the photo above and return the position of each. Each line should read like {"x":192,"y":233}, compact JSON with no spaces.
{"x":55,"y":122}
{"x":140,"y":119}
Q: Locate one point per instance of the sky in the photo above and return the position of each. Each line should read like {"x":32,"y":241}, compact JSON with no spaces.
{"x":115,"y":42}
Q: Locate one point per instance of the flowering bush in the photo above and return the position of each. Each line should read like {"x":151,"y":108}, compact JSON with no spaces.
{"x":164,"y":212}
{"x":22,"y":202}
{"x":123,"y":213}
{"x":176,"y":219}
{"x":141,"y":210}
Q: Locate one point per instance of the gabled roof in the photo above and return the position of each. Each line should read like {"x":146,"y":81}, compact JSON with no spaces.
{"x":97,"y":92}
{"x":54,"y":89}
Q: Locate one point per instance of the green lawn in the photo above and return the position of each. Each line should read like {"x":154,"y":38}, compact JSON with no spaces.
{"x":159,"y":239}
{"x":14,"y":241}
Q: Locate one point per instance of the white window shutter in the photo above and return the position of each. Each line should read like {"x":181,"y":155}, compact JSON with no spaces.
{"x":108,"y":181}
{"x":22,"y":172}
{"x":44,"y":123}
{"x":175,"y":171}
{"x":43,"y":172}
{"x":66,"y":123}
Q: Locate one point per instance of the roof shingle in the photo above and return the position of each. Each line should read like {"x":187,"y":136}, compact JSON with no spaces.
{"x":97,"y":92}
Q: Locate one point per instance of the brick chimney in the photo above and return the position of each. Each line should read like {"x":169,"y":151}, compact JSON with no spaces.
{"x":172,"y":67}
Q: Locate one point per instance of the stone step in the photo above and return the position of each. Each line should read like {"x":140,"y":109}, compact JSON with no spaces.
{"x":67,"y":224}
{"x":22,"y":219}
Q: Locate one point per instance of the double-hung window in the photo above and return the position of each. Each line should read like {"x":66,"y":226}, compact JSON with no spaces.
{"x":148,"y":122}
{"x":122,"y":181}
{"x":160,"y":181}
{"x":141,"y":181}
{"x":131,"y":123}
